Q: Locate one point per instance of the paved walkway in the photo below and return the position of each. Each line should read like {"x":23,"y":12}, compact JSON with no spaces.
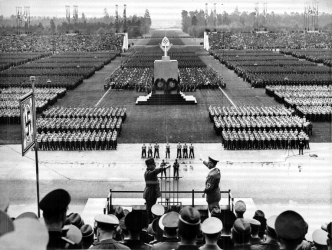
{"x":276,"y":180}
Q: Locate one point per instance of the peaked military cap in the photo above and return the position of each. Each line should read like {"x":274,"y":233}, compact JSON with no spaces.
{"x":240,"y":206}
{"x":241,"y":226}
{"x":107,"y":219}
{"x":55,"y":201}
{"x":270,"y":224}
{"x":212,"y":225}
{"x":169,"y":220}
{"x":319,"y":237}
{"x":158,"y":209}
{"x":6,"y":224}
{"x":4,"y":202}
{"x":290,"y":225}
{"x":133,"y":221}
{"x":212,"y":160}
{"x":190,"y":216}
{"x":149,"y":161}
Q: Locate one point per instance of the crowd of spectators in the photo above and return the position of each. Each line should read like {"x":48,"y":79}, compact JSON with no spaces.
{"x":61,"y":43}
{"x":182,"y":228}
{"x":278,"y":40}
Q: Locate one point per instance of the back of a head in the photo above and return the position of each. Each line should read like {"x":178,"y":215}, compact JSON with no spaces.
{"x":189,"y":223}
{"x":290,"y":228}
{"x":241,"y":231}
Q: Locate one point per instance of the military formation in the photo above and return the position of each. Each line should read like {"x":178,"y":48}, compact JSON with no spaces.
{"x":257,"y":139}
{"x":83,"y":128}
{"x":72,"y":141}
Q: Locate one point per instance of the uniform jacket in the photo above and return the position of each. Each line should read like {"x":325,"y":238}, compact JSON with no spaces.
{"x":167,"y":244}
{"x":267,"y":245}
{"x":57,"y":241}
{"x":212,"y":186}
{"x":109,"y":244}
{"x":152,"y":188}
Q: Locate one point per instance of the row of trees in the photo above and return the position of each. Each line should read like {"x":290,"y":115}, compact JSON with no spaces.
{"x":194,"y":22}
{"x":135,"y":25}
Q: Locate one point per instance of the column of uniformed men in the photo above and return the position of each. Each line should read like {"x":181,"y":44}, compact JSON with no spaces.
{"x":233,"y":140}
{"x":181,"y":151}
{"x":100,"y":140}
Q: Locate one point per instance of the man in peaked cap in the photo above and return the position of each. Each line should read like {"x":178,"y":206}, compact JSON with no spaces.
{"x":152,"y":188}
{"x":320,"y":238}
{"x":105,"y":230}
{"x":169,"y":224}
{"x":255,"y":226}
{"x":212,"y":189}
{"x":211,"y":227}
{"x":271,"y":241}
{"x":87,"y":236}
{"x":54,"y":206}
{"x":240,"y":208}
{"x":189,"y":227}
{"x":134,"y":224}
{"x":76,"y":220}
{"x":260,"y":216}
{"x":241,"y":234}
{"x":290,"y":228}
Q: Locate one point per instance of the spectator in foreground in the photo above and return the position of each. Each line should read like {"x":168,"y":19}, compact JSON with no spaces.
{"x":240,"y":209}
{"x":54,"y":206}
{"x":105,"y":231}
{"x":255,"y":225}
{"x":260,"y":216}
{"x":134,"y":225}
{"x":241,"y":234}
{"x":169,"y":224}
{"x":291,"y":229}
{"x":189,"y":228}
{"x":320,"y":238}
{"x":271,"y":242}
{"x":87,"y":236}
{"x":211,"y":227}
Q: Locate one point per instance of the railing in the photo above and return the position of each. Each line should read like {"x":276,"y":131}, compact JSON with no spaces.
{"x":109,"y":205}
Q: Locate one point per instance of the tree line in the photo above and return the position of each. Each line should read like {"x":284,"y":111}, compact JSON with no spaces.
{"x":194,"y":22}
{"x":135,"y":25}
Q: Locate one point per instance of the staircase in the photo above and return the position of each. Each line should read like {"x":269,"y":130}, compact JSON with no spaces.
{"x":172,"y":99}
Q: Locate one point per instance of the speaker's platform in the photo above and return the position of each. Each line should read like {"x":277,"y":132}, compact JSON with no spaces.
{"x":95,"y":206}
{"x":171,"y":99}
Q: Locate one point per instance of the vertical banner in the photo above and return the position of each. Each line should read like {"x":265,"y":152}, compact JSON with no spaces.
{"x":26,"y":107}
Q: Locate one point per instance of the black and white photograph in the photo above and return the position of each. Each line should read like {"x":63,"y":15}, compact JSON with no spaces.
{"x":156,"y":125}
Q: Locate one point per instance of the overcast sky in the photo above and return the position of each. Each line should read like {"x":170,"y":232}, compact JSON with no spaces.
{"x":161,"y":10}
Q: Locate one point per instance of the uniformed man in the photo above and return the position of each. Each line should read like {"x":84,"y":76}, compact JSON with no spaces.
{"x":105,"y":230}
{"x":134,"y":224}
{"x":241,"y":234}
{"x":176,"y":167}
{"x":191,"y":151}
{"x":156,"y":151}
{"x":54,"y":206}
{"x":143,"y":151}
{"x":178,"y":153}
{"x":271,"y":241}
{"x":188,"y":228}
{"x":185,"y":151}
{"x":301,"y":145}
{"x":162,"y":166}
{"x":211,"y":228}
{"x":152,"y":188}
{"x":212,"y":189}
{"x":255,"y":226}
{"x":320,"y":238}
{"x":290,"y":228}
{"x":240,"y":208}
{"x":168,"y":150}
{"x":169,"y":224}
{"x":150,"y":151}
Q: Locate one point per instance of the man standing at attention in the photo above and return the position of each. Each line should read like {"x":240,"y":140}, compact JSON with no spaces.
{"x":212,"y":189}
{"x":152,"y":188}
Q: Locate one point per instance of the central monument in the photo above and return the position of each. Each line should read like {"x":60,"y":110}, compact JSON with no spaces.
{"x":166,"y":72}
{"x":165,"y":89}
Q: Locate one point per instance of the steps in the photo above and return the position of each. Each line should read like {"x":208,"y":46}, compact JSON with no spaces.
{"x":160,"y":99}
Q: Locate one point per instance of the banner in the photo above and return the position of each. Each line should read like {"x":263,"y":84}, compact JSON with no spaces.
{"x":26,"y":107}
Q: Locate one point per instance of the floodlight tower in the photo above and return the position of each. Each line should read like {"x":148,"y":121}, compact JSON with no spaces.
{"x":265,"y":15}
{"x":75,"y":14}
{"x":215,"y":15}
{"x":68,"y":13}
{"x":206,"y":15}
{"x":256,"y":16}
{"x":315,"y":15}
{"x":18,"y":18}
{"x":116,"y":19}
{"x":125,"y":18}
